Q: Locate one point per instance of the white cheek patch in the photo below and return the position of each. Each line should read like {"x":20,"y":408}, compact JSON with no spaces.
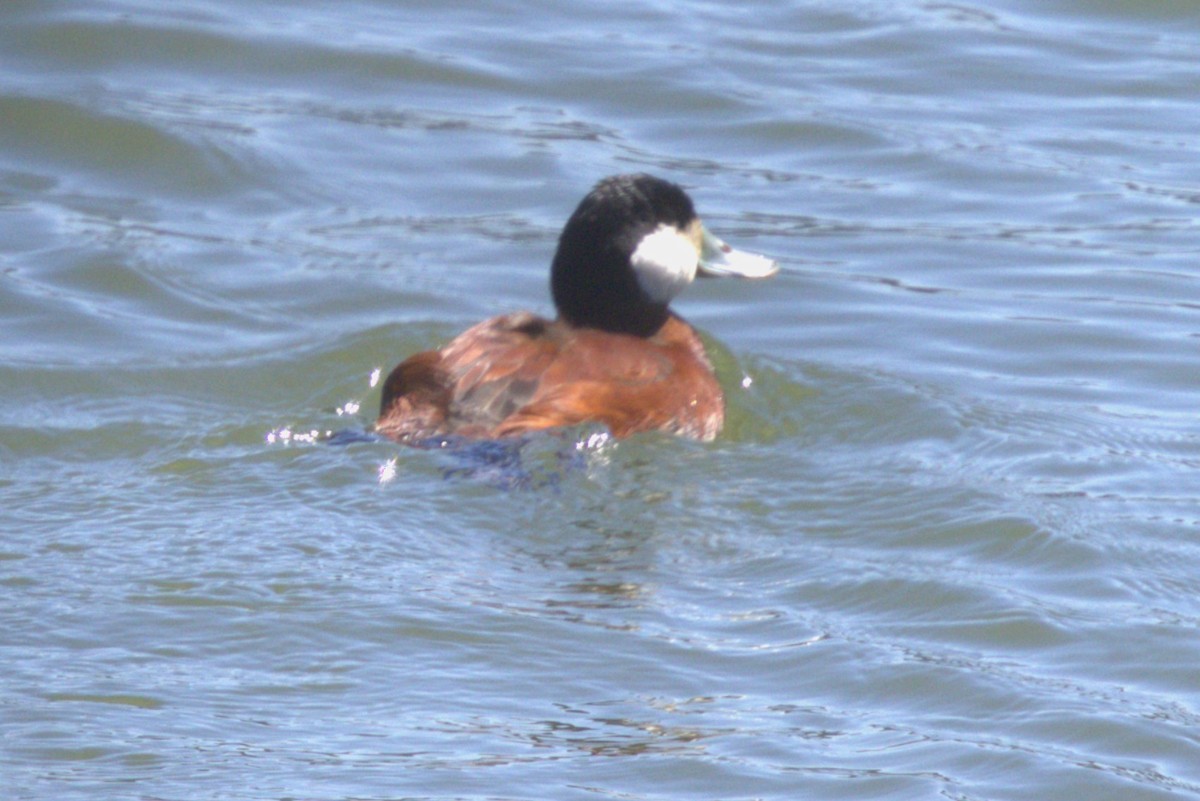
{"x":664,"y":262}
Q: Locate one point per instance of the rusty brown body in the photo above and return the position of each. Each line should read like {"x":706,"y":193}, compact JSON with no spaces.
{"x":520,"y":373}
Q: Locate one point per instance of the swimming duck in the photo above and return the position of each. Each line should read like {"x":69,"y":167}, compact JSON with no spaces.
{"x":616,"y":354}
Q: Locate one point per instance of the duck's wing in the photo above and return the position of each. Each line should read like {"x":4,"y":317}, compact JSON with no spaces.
{"x":470,"y":386}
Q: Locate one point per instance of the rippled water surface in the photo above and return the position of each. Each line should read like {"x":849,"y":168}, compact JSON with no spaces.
{"x":948,"y":546}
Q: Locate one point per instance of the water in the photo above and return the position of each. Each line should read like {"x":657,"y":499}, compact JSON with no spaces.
{"x":947,"y":547}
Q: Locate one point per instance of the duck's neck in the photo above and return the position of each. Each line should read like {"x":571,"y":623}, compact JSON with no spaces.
{"x":643,"y":320}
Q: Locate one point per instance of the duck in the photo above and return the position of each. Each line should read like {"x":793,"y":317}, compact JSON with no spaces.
{"x":615,"y":355}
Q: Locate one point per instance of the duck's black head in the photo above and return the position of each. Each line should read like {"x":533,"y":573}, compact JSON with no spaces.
{"x":631,"y":246}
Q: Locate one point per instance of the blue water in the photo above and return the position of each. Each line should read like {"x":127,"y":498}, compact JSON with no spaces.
{"x":947,"y":547}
